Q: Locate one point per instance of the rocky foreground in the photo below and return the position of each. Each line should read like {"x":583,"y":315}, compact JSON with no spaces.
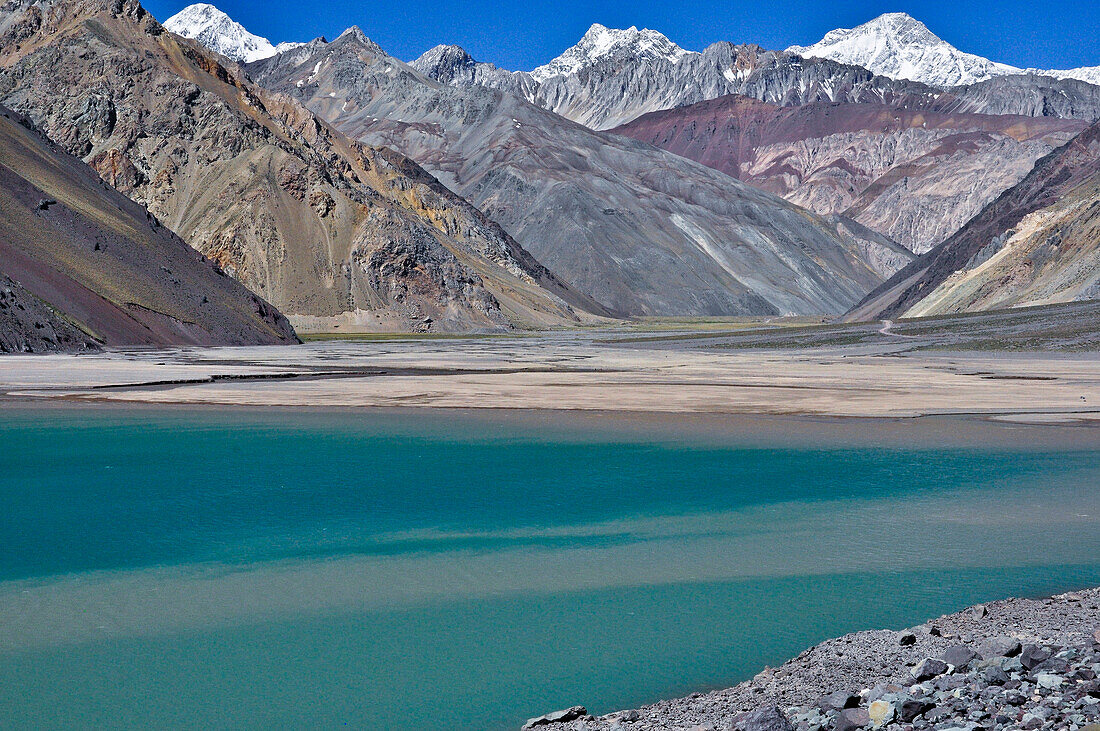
{"x":1014,"y":664}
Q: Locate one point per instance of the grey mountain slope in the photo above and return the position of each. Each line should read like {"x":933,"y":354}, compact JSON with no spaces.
{"x":640,"y":230}
{"x":615,"y":89}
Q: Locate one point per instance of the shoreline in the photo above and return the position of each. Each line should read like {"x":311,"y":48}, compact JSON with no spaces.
{"x":701,"y":429}
{"x":1029,"y":663}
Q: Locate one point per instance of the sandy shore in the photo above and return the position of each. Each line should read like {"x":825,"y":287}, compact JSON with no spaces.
{"x":580,"y":372}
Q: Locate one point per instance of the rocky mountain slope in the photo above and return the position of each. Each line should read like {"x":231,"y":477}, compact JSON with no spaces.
{"x":607,"y":84}
{"x":901,"y":47}
{"x":642,"y":231}
{"x":221,"y":34}
{"x":911,"y":175}
{"x":334,"y":233}
{"x":1037,"y":243}
{"x":81,"y":265}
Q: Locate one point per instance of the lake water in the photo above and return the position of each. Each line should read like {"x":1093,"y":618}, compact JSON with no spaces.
{"x":201,"y":568}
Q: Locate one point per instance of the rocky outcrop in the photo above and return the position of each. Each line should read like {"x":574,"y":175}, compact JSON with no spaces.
{"x":331,"y":231}
{"x":1013,"y":664}
{"x":83,"y":266}
{"x":1023,"y":94}
{"x":1035,"y":244}
{"x":640,"y":230}
{"x":913,"y":176}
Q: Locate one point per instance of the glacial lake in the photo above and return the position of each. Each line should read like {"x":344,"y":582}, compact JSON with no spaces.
{"x":428,"y":569}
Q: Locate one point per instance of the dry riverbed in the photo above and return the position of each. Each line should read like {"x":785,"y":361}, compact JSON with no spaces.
{"x":619,"y":372}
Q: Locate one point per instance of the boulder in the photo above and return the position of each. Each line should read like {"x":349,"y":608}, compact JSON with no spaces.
{"x":851,"y":719}
{"x":880,"y":713}
{"x":569,"y":714}
{"x":1032,"y":656}
{"x":768,"y":718}
{"x":1048,"y":680}
{"x":837,"y":701}
{"x":928,"y":669}
{"x":994,"y":675}
{"x":958,"y":656}
{"x":908,"y":638}
{"x":999,"y":647}
{"x":910,"y":709}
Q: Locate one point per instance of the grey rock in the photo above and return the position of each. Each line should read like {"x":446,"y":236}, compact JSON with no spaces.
{"x":1031,"y":656}
{"x":999,"y":647}
{"x":1030,"y":722}
{"x":909,"y":710}
{"x":568,"y":714}
{"x":907,"y":638}
{"x":851,"y":718}
{"x":1049,"y":681}
{"x":994,"y":675}
{"x":959,"y":656}
{"x":928,"y":669}
{"x":838,"y":701}
{"x":768,"y":718}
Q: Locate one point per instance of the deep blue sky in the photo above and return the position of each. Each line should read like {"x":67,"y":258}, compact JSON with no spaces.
{"x":525,"y":33}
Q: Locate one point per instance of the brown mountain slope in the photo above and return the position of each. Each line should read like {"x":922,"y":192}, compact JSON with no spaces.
{"x":1038,"y":243}
{"x":82,"y":265}
{"x":335,"y":233}
{"x":915,"y":176}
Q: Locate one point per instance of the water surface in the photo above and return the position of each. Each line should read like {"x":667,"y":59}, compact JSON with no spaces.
{"x":453,"y":570}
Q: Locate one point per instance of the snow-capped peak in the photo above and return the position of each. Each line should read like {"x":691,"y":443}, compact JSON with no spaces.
{"x":220,"y":33}
{"x":901,"y":47}
{"x":600,"y":41}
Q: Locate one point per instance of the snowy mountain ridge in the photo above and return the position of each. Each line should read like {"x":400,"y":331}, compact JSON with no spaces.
{"x":220,"y":33}
{"x":600,"y":42}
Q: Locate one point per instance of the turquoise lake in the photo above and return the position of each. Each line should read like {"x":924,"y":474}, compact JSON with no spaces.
{"x":424,"y":569}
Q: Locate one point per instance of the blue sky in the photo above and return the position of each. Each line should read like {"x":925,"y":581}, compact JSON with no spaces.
{"x":524,"y":34}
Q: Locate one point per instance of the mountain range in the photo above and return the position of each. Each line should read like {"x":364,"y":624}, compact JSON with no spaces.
{"x":334,"y":233}
{"x":626,"y":177}
{"x":642,"y":231}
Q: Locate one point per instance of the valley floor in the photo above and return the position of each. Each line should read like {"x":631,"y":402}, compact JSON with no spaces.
{"x":1033,"y":365}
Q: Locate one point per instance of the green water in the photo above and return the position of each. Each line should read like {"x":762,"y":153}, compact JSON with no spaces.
{"x":195,"y":568}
